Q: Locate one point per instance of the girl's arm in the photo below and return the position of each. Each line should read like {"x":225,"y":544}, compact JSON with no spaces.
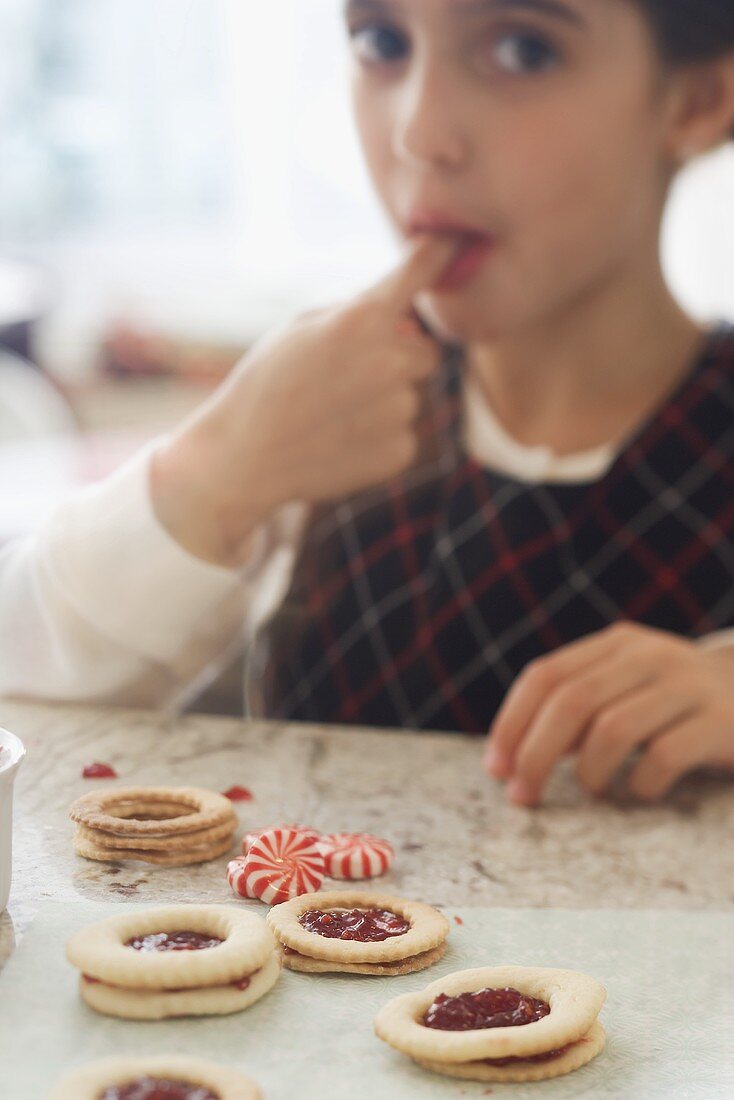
{"x":102,"y":604}
{"x":139,"y":585}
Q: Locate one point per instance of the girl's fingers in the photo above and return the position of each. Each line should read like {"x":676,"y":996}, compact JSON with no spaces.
{"x":534,"y":686}
{"x":622,"y":727}
{"x":564,"y":718}
{"x":689,"y":745}
{"x":426,"y":260}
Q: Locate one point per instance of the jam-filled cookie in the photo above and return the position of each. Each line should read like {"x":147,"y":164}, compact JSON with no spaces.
{"x":358,"y":932}
{"x":184,"y":960}
{"x":502,"y":1023}
{"x":172,"y":1077}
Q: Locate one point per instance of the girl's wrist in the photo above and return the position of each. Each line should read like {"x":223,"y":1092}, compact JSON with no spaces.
{"x":199,"y":510}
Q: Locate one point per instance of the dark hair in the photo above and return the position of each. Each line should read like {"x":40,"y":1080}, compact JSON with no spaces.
{"x":690,"y":31}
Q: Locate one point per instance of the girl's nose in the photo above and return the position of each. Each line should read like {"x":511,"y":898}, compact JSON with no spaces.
{"x":428,"y":129}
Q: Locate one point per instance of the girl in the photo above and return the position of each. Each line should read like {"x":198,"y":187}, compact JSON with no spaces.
{"x":494,"y":492}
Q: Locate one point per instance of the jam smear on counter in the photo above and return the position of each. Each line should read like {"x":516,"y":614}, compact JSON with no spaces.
{"x":99,"y":771}
{"x":238,"y":794}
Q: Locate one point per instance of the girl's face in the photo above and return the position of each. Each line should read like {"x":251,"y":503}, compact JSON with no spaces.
{"x":539,"y":123}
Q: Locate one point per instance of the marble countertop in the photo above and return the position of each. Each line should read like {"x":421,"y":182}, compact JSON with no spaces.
{"x":458,"y":841}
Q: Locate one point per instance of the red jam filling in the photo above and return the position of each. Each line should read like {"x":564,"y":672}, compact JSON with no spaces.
{"x":173,"y":941}
{"x":365,"y":925}
{"x":485,"y":1008}
{"x":547,"y":1056}
{"x":99,"y":771}
{"x":238,"y":794}
{"x":238,"y":983}
{"x":158,"y":1088}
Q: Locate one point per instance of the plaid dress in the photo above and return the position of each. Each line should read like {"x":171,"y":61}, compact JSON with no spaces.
{"x":418,"y":604}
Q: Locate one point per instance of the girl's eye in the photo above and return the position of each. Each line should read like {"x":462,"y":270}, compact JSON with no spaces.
{"x":375,"y":44}
{"x":523,"y":52}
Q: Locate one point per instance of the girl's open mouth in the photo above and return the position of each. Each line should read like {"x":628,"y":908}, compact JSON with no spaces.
{"x":470,"y":258}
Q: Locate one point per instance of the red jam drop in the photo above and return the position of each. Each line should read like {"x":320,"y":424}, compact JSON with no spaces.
{"x":158,"y":1088}
{"x":99,"y":771}
{"x":365,"y":925}
{"x":485,"y":1008}
{"x":173,"y":941}
{"x":238,"y":794}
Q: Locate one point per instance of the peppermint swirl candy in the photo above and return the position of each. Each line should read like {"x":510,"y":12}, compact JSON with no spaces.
{"x":281,"y":864}
{"x":254,"y":834}
{"x":355,"y":856}
{"x":236,"y":876}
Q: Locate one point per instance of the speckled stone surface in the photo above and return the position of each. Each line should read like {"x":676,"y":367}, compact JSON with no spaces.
{"x":458,"y":841}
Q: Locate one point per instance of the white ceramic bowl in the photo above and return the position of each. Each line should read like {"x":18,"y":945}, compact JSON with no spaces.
{"x":11,"y":755}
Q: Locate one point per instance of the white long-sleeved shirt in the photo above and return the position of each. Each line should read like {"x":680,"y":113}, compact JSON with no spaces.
{"x":101,"y":604}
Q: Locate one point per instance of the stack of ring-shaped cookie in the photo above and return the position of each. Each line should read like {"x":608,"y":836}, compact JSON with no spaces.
{"x":186,"y":960}
{"x":171,"y":826}
{"x":358,"y":932}
{"x":501,"y":1023}
{"x":176,"y":1077}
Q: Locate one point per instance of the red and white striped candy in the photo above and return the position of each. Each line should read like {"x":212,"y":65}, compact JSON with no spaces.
{"x":236,"y":876}
{"x":355,"y":855}
{"x":253,"y":834}
{"x":280,"y":865}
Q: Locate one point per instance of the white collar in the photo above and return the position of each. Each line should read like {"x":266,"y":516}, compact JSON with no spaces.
{"x":490,"y":444}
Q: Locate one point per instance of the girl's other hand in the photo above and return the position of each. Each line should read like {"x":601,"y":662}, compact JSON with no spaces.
{"x":624,"y":689}
{"x":321,"y":408}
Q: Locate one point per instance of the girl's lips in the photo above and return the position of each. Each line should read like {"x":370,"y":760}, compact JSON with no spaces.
{"x":467,"y":263}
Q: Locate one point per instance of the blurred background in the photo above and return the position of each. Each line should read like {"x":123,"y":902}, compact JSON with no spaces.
{"x":175,"y":177}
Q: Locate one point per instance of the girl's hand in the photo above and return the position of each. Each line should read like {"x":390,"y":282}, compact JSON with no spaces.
{"x":321,"y":408}
{"x":624,"y":689}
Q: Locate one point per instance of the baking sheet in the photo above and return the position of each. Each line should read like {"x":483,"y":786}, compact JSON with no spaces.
{"x":669,"y":1016}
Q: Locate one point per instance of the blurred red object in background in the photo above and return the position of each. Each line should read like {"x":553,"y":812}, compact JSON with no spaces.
{"x":129,"y":351}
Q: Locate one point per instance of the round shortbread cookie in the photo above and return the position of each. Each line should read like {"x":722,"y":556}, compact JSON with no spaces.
{"x":178,"y":857}
{"x":146,"y":1004}
{"x":579,"y":1054}
{"x":99,"y":949}
{"x":381,"y":970}
{"x":152,"y":811}
{"x":200,"y":839}
{"x":575,"y":1000}
{"x":89,"y":1082}
{"x":429,"y":928}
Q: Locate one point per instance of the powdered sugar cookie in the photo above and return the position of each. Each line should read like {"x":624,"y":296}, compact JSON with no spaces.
{"x":354,"y":928}
{"x":183,"y":1078}
{"x":469,"y":1020}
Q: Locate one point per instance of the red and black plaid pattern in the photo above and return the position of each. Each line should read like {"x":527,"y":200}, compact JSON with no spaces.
{"x":417,"y":605}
